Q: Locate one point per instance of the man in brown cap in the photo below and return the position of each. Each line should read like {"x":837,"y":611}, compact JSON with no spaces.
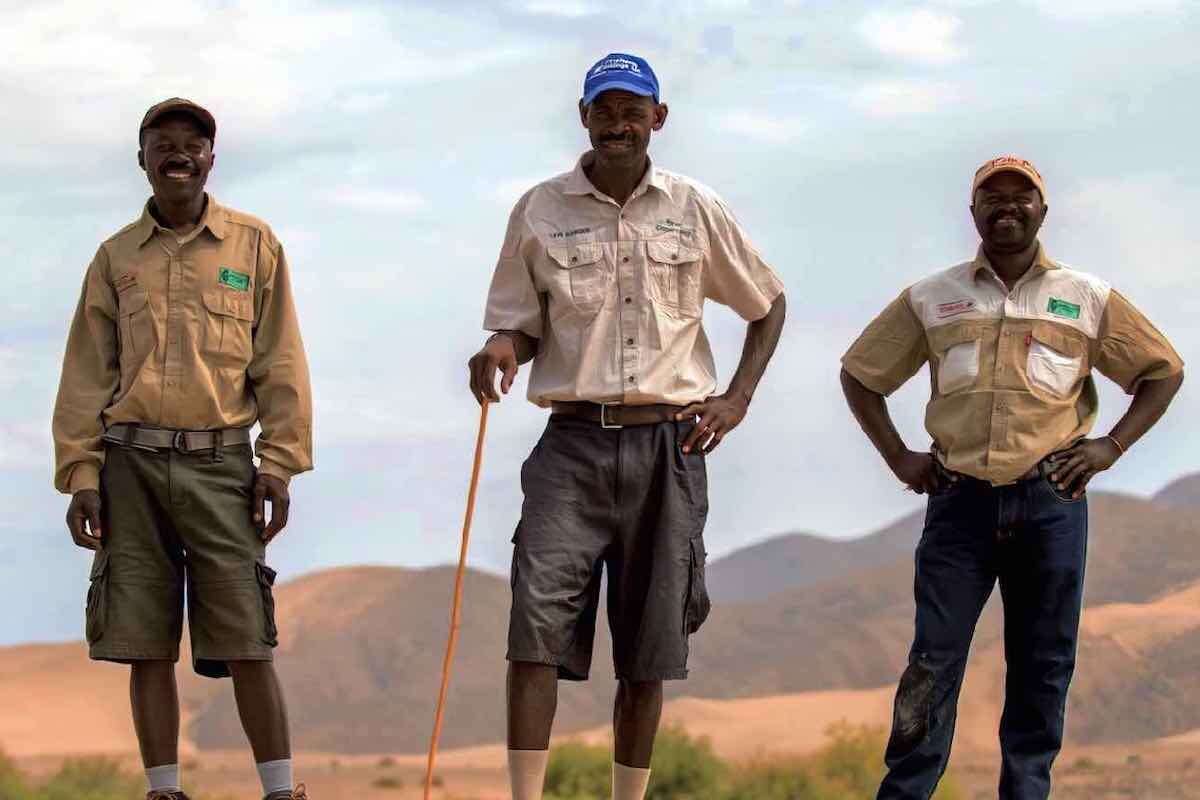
{"x":184,"y":337}
{"x":1011,"y":338}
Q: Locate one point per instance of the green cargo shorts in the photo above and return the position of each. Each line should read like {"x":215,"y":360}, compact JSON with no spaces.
{"x":170,"y":517}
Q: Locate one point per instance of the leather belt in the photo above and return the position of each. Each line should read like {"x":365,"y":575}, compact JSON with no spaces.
{"x":180,"y":441}
{"x":614,"y":416}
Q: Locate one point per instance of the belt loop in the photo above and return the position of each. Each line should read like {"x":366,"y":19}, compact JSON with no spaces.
{"x":130,"y":430}
{"x":218,"y":439}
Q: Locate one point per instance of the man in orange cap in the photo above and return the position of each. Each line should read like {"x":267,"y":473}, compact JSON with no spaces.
{"x":185,"y":336}
{"x":1011,"y":338}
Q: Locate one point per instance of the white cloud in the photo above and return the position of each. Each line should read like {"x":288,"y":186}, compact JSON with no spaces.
{"x":571,"y":9}
{"x":1095,"y":9}
{"x":922,"y":35}
{"x":393,"y":201}
{"x":893,"y":98}
{"x":761,"y":126}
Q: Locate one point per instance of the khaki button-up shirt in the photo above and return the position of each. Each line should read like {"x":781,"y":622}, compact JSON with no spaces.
{"x":615,"y":295}
{"x":191,"y":333}
{"x":1011,"y":371}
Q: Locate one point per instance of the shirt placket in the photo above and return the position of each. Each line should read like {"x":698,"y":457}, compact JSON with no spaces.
{"x":628,"y":310}
{"x":173,"y":353}
{"x":1001,"y":404}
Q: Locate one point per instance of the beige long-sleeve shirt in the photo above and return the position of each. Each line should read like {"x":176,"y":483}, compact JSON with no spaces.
{"x":615,"y":294}
{"x":1011,"y":372}
{"x":191,"y":333}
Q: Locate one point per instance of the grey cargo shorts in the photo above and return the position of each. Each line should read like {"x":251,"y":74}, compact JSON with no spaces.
{"x":632,"y":500}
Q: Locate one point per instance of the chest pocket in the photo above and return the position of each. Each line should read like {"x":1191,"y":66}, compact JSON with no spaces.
{"x":1056,"y":360}
{"x":136,"y":330}
{"x":227,"y":330}
{"x":958,"y":359}
{"x":674,"y":272}
{"x":586,"y":274}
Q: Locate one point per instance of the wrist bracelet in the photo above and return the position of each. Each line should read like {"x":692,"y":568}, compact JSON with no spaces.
{"x":1120,"y":446}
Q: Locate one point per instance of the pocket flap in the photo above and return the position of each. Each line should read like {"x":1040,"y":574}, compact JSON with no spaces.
{"x":671,"y":253}
{"x":99,"y":564}
{"x":229,"y":304}
{"x":131,"y":301}
{"x":943,"y":338}
{"x":1057,"y":339}
{"x":266,"y":575}
{"x":576,"y":255}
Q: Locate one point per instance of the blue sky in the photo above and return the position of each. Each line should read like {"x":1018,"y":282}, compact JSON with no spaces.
{"x":386,"y":142}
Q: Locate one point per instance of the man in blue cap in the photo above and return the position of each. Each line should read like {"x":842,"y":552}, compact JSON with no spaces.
{"x":601,"y":283}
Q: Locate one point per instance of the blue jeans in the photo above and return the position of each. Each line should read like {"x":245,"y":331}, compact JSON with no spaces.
{"x":1033,"y":539}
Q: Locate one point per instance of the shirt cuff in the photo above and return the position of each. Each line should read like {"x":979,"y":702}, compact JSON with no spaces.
{"x":84,"y":475}
{"x":275,"y":470}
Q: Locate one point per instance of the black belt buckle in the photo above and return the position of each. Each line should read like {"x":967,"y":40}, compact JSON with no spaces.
{"x":178,"y":443}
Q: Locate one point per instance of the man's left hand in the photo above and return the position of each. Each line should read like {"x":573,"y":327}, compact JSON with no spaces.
{"x":269,"y":487}
{"x":718,"y":415}
{"x":1072,"y":469}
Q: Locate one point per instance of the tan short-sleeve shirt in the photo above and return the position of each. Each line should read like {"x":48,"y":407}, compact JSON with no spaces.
{"x":193,"y":333}
{"x":1010,"y":372}
{"x":615,"y":295}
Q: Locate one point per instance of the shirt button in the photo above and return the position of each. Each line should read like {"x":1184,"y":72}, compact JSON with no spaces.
{"x":574,"y":259}
{"x":628,"y":300}
{"x":629,"y":341}
{"x":625,"y":259}
{"x":631,"y":379}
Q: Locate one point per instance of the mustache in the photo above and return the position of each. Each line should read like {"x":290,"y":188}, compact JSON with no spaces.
{"x":996,"y":216}
{"x":615,"y":137}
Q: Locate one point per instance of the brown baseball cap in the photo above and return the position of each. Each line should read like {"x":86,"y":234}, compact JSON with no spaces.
{"x":178,"y":104}
{"x":1008,"y":164}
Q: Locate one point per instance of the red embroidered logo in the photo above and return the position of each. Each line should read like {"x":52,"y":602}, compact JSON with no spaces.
{"x":954,"y":309}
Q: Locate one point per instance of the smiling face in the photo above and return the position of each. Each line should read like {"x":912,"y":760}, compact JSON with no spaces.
{"x":619,"y":124}
{"x":1008,"y":212}
{"x":177,"y":157}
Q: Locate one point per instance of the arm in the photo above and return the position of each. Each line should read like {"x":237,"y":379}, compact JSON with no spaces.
{"x":1075,"y":467}
{"x":917,"y":471}
{"x":1134,"y":354}
{"x":90,"y":379}
{"x":722,"y":413}
{"x":278,"y":373}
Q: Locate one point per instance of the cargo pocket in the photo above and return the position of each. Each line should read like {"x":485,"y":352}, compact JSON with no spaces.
{"x":674,"y":272}
{"x":266,"y":580}
{"x":1055,"y":360}
{"x":227,"y":333}
{"x":698,"y":605}
{"x":97,"y":598}
{"x":587,"y":275}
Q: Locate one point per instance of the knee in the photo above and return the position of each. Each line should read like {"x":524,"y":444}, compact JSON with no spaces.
{"x":638,"y":692}
{"x":914,"y":704}
{"x":151,"y":670}
{"x":250,"y":670}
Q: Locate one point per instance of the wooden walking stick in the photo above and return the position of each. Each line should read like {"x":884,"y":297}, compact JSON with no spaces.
{"x":456,"y":606}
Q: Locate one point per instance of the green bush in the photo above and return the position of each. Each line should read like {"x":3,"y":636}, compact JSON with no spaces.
{"x":90,"y":779}
{"x":578,"y":771}
{"x":12,"y":783}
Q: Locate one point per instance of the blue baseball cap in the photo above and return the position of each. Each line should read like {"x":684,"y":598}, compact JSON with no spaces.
{"x":620,"y":71}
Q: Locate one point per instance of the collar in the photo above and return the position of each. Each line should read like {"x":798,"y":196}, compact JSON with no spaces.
{"x":579,"y":184}
{"x":213,"y":219}
{"x":1041,"y":262}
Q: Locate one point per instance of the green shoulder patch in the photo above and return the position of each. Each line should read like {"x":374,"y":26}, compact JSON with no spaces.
{"x":1061,"y":308}
{"x":239,"y":280}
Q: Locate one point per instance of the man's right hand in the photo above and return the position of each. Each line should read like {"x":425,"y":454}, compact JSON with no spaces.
{"x":917,"y":471}
{"x":499,"y":353}
{"x":84,"y":514}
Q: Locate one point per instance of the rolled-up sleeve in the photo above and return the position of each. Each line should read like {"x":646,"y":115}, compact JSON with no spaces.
{"x":90,"y":379}
{"x":736,"y":275}
{"x":890,"y":350}
{"x":513,"y":302}
{"x":278,"y":372}
{"x":1130,"y":349}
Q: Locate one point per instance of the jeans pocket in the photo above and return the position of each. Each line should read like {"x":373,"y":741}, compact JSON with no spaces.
{"x":97,"y":598}
{"x":266,"y":580}
{"x":1059,"y":494}
{"x":697,"y":605}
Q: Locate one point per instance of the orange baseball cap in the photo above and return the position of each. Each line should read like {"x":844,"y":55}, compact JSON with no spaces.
{"x":1008,"y":164}
{"x":198,"y":112}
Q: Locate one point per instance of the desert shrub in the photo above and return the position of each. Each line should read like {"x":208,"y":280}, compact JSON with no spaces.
{"x":578,"y":771}
{"x":1083,"y":764}
{"x":12,"y":783}
{"x":387,"y":761}
{"x":774,"y":780}
{"x":387,"y":782}
{"x":90,"y":779}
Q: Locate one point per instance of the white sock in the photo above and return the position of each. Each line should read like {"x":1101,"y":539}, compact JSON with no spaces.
{"x":527,"y":772}
{"x":629,"y":783}
{"x":164,"y":778}
{"x":276,"y":776}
